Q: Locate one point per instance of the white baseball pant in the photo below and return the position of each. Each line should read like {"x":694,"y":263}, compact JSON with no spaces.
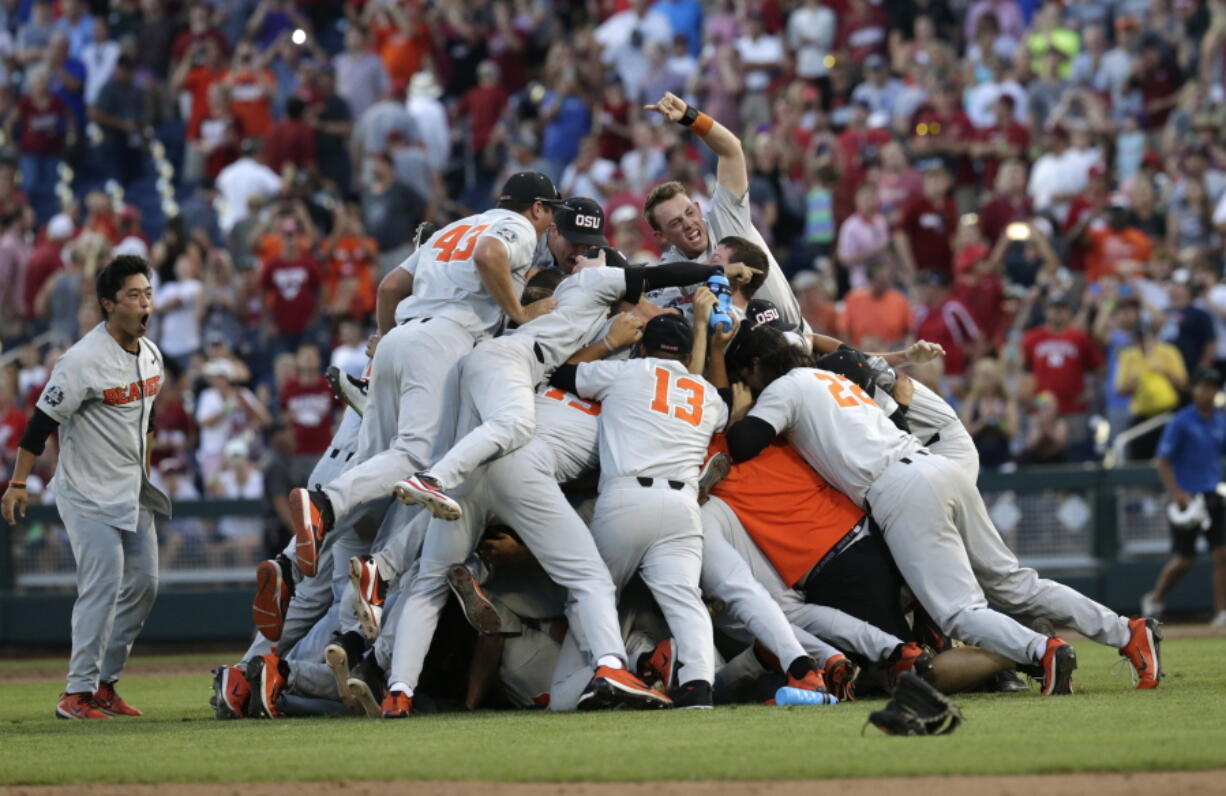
{"x":117,"y":580}
{"x":412,"y":383}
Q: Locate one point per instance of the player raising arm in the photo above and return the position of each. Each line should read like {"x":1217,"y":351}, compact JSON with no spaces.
{"x":100,"y":397}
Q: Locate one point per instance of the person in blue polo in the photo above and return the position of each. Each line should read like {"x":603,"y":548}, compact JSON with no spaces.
{"x":1189,"y":461}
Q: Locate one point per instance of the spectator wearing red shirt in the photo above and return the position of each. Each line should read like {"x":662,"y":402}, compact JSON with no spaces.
{"x":981,"y":290}
{"x":943,"y":130}
{"x":195,"y":75}
{"x":1085,"y":211}
{"x":308,"y":405}
{"x":924,"y":238}
{"x":862,"y":30}
{"x":43,"y":127}
{"x":200,"y":28}
{"x":44,"y":262}
{"x":174,"y":431}
{"x":612,"y":122}
{"x":12,"y":426}
{"x":1005,"y":139}
{"x":252,"y":87}
{"x":483,"y":106}
{"x":291,"y":140}
{"x":291,"y":283}
{"x":1158,"y":78}
{"x":945,"y":320}
{"x":1009,"y":204}
{"x":1060,"y":356}
{"x":1113,"y":245}
{"x":855,"y":141}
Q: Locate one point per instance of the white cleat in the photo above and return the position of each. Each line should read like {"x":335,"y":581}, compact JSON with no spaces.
{"x":350,"y":391}
{"x":424,"y":489}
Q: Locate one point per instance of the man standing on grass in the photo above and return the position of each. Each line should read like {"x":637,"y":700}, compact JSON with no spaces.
{"x":100,"y":397}
{"x":1190,"y":464}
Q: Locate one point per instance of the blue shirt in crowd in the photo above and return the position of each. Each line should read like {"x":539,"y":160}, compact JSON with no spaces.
{"x":1194,"y":446}
{"x":686,"y":19}
{"x":560,"y":142}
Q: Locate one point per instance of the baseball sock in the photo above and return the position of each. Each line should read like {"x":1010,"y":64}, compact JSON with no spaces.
{"x":611,"y":661}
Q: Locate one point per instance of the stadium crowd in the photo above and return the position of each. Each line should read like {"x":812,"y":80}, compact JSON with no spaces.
{"x":1040,"y":188}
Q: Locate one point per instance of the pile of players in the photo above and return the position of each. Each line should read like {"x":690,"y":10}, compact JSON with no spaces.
{"x":577,"y":483}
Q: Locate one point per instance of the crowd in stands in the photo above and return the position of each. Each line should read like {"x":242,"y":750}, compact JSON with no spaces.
{"x":1039,"y":187}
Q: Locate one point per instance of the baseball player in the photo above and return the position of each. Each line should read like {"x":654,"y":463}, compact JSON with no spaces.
{"x":678,"y":222}
{"x":100,"y":396}
{"x":647,"y":518}
{"x":928,"y":508}
{"x":467,"y":281}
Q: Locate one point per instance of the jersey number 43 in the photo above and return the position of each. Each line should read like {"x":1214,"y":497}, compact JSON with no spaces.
{"x":458,"y":243}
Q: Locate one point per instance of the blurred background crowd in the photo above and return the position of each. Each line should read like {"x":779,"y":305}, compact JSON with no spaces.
{"x":1039,"y":187}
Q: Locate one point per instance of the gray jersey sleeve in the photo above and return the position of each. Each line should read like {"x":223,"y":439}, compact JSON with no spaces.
{"x":68,"y":387}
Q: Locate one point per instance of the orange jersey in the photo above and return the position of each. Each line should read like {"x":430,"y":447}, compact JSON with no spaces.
{"x":790,"y":512}
{"x":352,"y":259}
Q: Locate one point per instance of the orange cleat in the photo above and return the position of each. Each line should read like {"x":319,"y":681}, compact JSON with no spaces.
{"x":612,"y":688}
{"x":79,"y":706}
{"x":1142,"y":652}
{"x":111,"y":703}
{"x":274,"y":586}
{"x":660,"y":666}
{"x":911,"y":657}
{"x":841,"y":678}
{"x":1059,"y":661}
{"x":308,"y":525}
{"x":397,"y":705}
{"x":266,"y":676}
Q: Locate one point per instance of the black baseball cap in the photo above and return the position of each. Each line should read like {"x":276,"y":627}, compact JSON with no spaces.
{"x":761,"y":312}
{"x":850,"y":363}
{"x":670,"y":333}
{"x":581,"y":220}
{"x":530,"y":186}
{"x":1207,"y":376}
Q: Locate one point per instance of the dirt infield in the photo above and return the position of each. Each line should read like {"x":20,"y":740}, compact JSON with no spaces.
{"x":1183,"y":783}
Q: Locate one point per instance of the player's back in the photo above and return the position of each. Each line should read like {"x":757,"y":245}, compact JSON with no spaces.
{"x":583,"y":303}
{"x":446,"y":282}
{"x":835,"y":426}
{"x":569,"y":425}
{"x":656,"y":418}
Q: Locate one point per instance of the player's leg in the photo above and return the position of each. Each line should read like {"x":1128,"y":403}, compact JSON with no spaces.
{"x":672,"y":569}
{"x":522,"y":485}
{"x":136,"y":595}
{"x":498,"y":382}
{"x":726,"y":577}
{"x":446,"y":544}
{"x":915,"y":509}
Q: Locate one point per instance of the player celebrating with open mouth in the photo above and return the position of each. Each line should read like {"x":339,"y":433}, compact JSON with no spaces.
{"x":100,"y":397}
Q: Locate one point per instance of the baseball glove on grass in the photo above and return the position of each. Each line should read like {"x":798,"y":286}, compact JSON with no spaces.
{"x":916,"y":708}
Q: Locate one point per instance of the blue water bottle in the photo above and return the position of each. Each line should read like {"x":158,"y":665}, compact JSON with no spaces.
{"x":721,"y":320}
{"x":787,"y":697}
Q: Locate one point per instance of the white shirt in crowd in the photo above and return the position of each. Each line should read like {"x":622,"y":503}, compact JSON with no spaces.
{"x":99,"y":59}
{"x":180,"y":327}
{"x":764,"y":50}
{"x":811,"y":34}
{"x":431,"y":119}
{"x":590,"y":182}
{"x":237,"y":183}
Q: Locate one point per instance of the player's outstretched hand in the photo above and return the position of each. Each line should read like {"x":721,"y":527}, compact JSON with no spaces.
{"x":372,"y":343}
{"x":626,"y":330}
{"x":742,"y":402}
{"x":670,"y":106}
{"x":704,"y":302}
{"x":538,"y":308}
{"x":13,"y":505}
{"x":923,"y":351}
{"x":739,"y":273}
{"x":904,"y":389}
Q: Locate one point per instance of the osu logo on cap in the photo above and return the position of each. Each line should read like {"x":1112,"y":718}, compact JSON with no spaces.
{"x":589,"y":222}
{"x":765,"y":316}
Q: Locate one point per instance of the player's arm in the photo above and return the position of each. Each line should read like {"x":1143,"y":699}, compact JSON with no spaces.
{"x":917,"y":353}
{"x":483,"y":669}
{"x":704,"y":302}
{"x":626,"y":330}
{"x":731,"y":171}
{"x":393,"y":288}
{"x":748,"y":436}
{"x":493,"y":262}
{"x":33,"y":443}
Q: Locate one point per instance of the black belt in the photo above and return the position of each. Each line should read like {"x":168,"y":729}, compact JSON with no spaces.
{"x":935,"y":439}
{"x":830,"y":555}
{"x":905,"y":460}
{"x":540,"y":354}
{"x":648,"y":482}
{"x":423,"y":320}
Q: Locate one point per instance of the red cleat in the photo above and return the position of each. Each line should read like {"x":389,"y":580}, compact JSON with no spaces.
{"x":911,"y":658}
{"x":274,"y":586}
{"x":1142,"y":652}
{"x":79,"y":706}
{"x":397,"y":705}
{"x":230,"y":693}
{"x":308,"y":525}
{"x":660,"y":666}
{"x":611,"y":688}
{"x":369,"y":591}
{"x":111,"y":703}
{"x":1059,"y":661}
{"x":266,"y":676}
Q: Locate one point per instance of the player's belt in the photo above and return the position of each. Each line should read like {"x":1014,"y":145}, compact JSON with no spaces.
{"x":905,"y":460}
{"x":857,"y":532}
{"x":410,"y":320}
{"x":933,"y":440}
{"x":540,"y":352}
{"x":650,"y":482}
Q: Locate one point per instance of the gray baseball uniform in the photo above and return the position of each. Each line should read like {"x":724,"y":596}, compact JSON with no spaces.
{"x":102,"y":396}
{"x":413,"y":374}
{"x":499,"y":378}
{"x":647,"y":517}
{"x":930,"y":513}
{"x":521,"y":490}
{"x":730,"y":215}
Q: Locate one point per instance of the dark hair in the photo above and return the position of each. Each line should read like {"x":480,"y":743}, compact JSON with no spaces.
{"x":111,"y":278}
{"x":516,"y":205}
{"x":751,"y":254}
{"x":775,"y":355}
{"x":294,"y":106}
{"x":541,"y":285}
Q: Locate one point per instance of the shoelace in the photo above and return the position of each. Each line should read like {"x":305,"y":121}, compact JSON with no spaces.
{"x":1124,"y":662}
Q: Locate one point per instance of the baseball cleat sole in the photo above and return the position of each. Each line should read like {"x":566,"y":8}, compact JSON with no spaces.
{"x":301,"y":516}
{"x":338,"y":661}
{"x":715,"y":470}
{"x":478,"y":610}
{"x":438,"y":504}
{"x":370,"y":616}
{"x":360,"y":693}
{"x":345,"y":390}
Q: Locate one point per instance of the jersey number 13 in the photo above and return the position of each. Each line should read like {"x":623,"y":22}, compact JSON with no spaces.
{"x":691,"y":410}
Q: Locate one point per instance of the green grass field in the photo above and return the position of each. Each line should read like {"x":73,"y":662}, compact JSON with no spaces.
{"x":1106,"y":726}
